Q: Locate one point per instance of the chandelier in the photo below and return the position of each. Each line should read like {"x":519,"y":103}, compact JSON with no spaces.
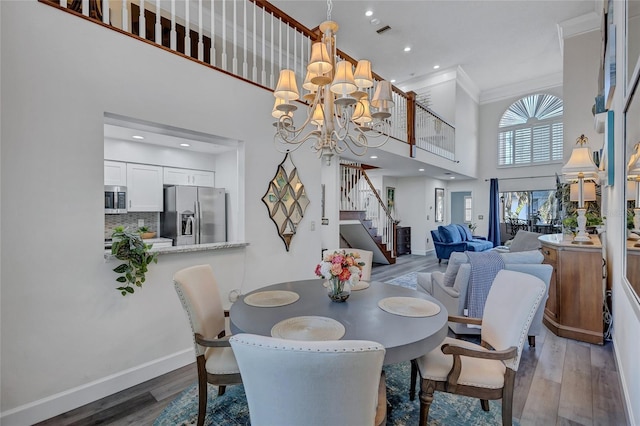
{"x":339,"y":116}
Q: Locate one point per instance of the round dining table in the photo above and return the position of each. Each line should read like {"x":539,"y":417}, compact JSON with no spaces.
{"x":404,"y":337}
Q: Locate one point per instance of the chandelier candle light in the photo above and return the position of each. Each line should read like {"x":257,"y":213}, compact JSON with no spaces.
{"x":580,"y":167}
{"x":338,"y":103}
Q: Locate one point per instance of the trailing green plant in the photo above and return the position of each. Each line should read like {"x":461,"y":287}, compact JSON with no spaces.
{"x":129,"y":247}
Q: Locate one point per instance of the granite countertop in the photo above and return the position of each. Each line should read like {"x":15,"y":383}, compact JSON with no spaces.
{"x":187,"y":249}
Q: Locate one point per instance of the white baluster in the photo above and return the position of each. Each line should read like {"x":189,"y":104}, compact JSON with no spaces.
{"x":213,"y":34}
{"x":187,"y":30}
{"x":224,"y":36}
{"x":125,"y":17}
{"x":280,"y":44}
{"x":286,"y":28}
{"x":264,"y":57}
{"x":142,"y":23}
{"x":85,"y":7}
{"x":63,"y":3}
{"x":254,"y":73}
{"x":235,"y":42}
{"x":200,"y":33}
{"x":173,"y":33}
{"x":271,"y":83}
{"x":158,"y":24}
{"x":244,"y":35}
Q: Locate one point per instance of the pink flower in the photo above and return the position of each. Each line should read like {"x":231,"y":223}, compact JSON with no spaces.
{"x":336,"y":269}
{"x":318,"y":273}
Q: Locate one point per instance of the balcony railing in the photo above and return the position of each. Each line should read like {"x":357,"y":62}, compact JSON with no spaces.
{"x":252,"y":40}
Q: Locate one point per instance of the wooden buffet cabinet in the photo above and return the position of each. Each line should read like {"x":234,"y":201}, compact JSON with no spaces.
{"x":575,"y":304}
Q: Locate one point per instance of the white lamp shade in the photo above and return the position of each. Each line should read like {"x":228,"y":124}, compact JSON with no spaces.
{"x":276,"y":113}
{"x":589,"y":193}
{"x":343,"y":82}
{"x":580,"y":162}
{"x":308,"y":83}
{"x":382,"y":98}
{"x":362,"y":76}
{"x":362,"y":114}
{"x":318,"y":116}
{"x":287,"y":88}
{"x":319,"y":63}
{"x":631,"y":190}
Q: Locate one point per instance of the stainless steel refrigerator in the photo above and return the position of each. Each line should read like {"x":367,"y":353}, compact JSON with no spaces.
{"x":194,"y":215}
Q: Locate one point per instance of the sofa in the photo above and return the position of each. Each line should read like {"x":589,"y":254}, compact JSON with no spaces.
{"x":450,"y":287}
{"x":457,"y":238}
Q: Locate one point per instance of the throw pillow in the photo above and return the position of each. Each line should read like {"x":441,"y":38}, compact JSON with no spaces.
{"x":465,"y":232}
{"x":529,"y":256}
{"x":450,"y":234}
{"x":525,"y":240}
{"x":457,"y":258}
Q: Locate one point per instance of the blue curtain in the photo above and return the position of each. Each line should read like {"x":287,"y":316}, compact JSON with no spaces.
{"x":494,"y":213}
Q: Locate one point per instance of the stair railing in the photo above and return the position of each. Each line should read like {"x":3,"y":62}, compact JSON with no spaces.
{"x":358,"y":193}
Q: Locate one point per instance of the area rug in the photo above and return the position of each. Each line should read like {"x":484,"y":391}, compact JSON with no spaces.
{"x":231,"y":408}
{"x":407,"y":280}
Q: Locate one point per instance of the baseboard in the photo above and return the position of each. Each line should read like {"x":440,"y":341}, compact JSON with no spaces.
{"x":68,"y":400}
{"x":419,"y":252}
{"x":623,"y":386}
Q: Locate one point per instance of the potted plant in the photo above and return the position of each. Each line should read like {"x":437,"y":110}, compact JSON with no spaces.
{"x":145,"y":233}
{"x":129,"y":247}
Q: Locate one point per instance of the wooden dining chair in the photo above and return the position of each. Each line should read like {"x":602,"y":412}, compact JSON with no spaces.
{"x":198,"y":291}
{"x":485,"y":371}
{"x":311,"y":383}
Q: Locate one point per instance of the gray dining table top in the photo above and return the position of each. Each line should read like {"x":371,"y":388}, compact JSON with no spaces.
{"x":404,"y":338}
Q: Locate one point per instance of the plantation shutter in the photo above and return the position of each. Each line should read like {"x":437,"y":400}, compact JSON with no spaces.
{"x":522,"y":148}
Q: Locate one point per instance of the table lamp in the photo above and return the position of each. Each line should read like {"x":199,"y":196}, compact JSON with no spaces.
{"x":579,"y":168}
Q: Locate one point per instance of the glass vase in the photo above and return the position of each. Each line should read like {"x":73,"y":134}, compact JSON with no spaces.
{"x":337,"y":290}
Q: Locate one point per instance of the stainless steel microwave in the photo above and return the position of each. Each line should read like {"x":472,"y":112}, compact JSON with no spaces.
{"x":115,"y":199}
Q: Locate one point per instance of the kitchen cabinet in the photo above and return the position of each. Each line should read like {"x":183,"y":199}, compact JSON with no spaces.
{"x":115,"y":173}
{"x":144,"y":188}
{"x":187,"y":177}
{"x":575,"y":304}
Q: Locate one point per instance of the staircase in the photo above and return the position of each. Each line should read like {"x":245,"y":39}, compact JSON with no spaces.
{"x":365,"y":221}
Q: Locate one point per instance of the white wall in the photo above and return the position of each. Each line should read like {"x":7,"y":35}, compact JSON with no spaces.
{"x":68,"y":337}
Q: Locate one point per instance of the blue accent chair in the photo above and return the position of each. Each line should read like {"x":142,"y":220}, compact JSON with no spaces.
{"x":456,"y":237}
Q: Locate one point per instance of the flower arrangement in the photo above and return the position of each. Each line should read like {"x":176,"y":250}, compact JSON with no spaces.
{"x":340,"y":265}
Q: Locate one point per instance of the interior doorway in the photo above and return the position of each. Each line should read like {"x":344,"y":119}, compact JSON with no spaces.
{"x":461,"y":207}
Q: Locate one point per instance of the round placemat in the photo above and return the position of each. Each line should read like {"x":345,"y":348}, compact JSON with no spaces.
{"x":409,"y":306}
{"x":308,"y":328}
{"x":361,"y":285}
{"x":270,"y":299}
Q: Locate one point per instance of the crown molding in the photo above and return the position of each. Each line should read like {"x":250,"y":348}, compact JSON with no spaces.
{"x":578,"y":25}
{"x":521,"y":88}
{"x":456,"y":74}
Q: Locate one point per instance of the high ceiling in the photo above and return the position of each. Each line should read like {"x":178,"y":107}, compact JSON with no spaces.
{"x":497,"y":43}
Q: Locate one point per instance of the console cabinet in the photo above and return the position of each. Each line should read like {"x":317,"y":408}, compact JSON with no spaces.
{"x":575,"y":304}
{"x":403,"y":235}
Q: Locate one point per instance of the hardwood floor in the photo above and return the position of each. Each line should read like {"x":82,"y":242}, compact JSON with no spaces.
{"x":559,"y":382}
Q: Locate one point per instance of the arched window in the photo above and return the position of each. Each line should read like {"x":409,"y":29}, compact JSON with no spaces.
{"x":531,"y":132}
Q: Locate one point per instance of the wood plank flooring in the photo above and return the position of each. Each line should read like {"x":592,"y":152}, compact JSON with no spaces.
{"x":559,"y":382}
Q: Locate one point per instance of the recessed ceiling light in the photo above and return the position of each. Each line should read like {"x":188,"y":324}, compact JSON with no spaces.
{"x":393,"y":81}
{"x":368,"y":13}
{"x":137,"y":137}
{"x":435,"y":67}
{"x":185,"y":144}
{"x":373,"y":157}
{"x":375,"y":21}
{"x":452,"y":177}
{"x":407,"y":49}
{"x":421,"y":170}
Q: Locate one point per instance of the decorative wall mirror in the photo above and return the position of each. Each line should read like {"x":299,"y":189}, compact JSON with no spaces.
{"x":632,"y":143}
{"x":286,"y":200}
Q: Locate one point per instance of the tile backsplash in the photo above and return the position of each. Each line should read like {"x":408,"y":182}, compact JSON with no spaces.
{"x":130,"y":220}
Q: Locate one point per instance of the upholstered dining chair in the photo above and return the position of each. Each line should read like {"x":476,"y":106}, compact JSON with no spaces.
{"x":366,"y":256}
{"x":292,"y":383}
{"x":198,"y":291}
{"x":485,"y":371}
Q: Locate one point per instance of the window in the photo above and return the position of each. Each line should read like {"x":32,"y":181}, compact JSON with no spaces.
{"x":531,"y":132}
{"x":467,"y":210}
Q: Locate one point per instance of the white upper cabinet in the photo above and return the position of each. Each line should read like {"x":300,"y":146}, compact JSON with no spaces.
{"x":174,"y":176}
{"x":144,"y":188}
{"x":115,"y":173}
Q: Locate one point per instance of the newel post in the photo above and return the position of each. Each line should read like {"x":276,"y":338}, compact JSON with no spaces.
{"x":411,"y":123}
